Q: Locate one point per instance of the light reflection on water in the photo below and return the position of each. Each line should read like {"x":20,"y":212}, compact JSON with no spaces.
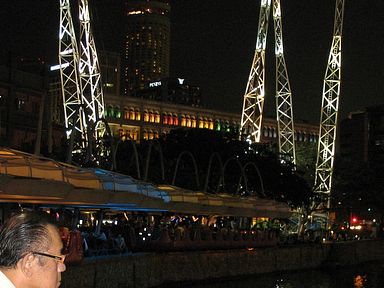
{"x":363,"y":276}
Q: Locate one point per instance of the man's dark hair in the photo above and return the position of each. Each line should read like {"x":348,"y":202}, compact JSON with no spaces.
{"x":21,"y":234}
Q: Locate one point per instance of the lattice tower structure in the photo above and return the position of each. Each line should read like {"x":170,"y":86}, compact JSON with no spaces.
{"x":68,"y":63}
{"x":284,"y":108}
{"x":92,"y":98}
{"x":253,"y":103}
{"x":329,"y":116}
{"x":252,"y":114}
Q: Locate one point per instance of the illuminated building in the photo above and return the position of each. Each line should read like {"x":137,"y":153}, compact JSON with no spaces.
{"x":137,"y":118}
{"x":147,"y":44}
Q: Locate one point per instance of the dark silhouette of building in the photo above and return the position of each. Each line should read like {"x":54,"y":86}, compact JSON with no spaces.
{"x":172,"y":90}
{"x":362,"y":135}
{"x":29,"y":103}
{"x":110,"y":66}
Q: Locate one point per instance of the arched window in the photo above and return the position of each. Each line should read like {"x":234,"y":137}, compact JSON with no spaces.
{"x":183,"y":120}
{"x":117,"y":112}
{"x":235,"y":128}
{"x":188,"y":121}
{"x":205,"y":120}
{"x":126,"y":113}
{"x":150,"y":134}
{"x":170,"y":119}
{"x":132,"y":114}
{"x":121,"y":134}
{"x":223,"y":126}
{"x":265,"y":130}
{"x":210,"y":123}
{"x":227,"y":127}
{"x":201,"y":122}
{"x":134,"y":134}
{"x":175,"y":120}
{"x":165,"y":118}
{"x":299,"y":136}
{"x":145,"y":134}
{"x":157,"y":117}
{"x":138,"y":114}
{"x":193,"y":122}
{"x":146,"y":116}
{"x":109,"y":111}
{"x":151,"y":117}
{"x":270,"y":132}
{"x":217,"y":125}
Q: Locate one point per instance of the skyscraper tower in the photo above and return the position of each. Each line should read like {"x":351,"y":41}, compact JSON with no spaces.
{"x":147,"y":43}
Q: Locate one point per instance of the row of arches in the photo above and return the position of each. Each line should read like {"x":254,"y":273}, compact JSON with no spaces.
{"x":186,"y":158}
{"x":191,"y":121}
{"x":172,"y":119}
{"x":150,"y":134}
{"x":129,"y":134}
{"x":300,"y":136}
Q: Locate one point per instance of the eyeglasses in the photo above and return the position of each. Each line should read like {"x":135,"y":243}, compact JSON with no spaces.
{"x":57,"y":258}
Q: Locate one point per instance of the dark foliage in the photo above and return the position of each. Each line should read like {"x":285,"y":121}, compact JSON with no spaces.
{"x":264,"y":174}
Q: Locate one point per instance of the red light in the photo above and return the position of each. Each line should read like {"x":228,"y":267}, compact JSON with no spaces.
{"x":354,"y":220}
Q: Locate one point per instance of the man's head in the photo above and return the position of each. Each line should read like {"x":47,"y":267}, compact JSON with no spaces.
{"x":30,"y":251}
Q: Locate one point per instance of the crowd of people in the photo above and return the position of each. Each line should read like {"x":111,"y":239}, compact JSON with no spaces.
{"x":34,"y":251}
{"x":173,"y":232}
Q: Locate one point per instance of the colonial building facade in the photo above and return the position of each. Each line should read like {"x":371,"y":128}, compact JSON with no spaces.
{"x":138,"y":118}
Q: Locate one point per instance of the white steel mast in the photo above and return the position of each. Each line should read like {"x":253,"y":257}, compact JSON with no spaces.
{"x":68,"y":63}
{"x":90,"y":78}
{"x":253,"y":104}
{"x":329,"y":115}
{"x":284,"y":110}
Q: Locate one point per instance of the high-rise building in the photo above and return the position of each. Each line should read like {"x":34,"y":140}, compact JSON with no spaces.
{"x":147,"y":44}
{"x":110,"y":71}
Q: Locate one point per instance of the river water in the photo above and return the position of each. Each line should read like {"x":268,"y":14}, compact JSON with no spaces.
{"x":362,"y":276}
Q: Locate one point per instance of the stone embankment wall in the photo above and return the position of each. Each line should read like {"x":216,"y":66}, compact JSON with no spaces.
{"x":143,"y":270}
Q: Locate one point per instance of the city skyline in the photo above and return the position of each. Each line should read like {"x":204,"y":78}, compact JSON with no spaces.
{"x":212,"y":45}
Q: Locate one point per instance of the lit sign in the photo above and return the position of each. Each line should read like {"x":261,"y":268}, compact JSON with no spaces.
{"x":135,"y":12}
{"x":155,"y":84}
{"x":57,"y":67}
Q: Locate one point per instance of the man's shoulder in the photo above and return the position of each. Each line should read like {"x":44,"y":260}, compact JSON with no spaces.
{"x":5,"y":282}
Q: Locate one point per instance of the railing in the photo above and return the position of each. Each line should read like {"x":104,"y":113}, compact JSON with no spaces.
{"x":184,"y":240}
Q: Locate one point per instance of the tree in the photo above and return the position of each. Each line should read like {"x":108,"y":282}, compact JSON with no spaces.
{"x":306,"y":153}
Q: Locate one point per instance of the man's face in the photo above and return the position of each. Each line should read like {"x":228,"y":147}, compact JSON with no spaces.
{"x":47,"y":271}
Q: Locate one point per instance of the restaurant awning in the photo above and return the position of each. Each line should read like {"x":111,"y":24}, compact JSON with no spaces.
{"x":31,"y":179}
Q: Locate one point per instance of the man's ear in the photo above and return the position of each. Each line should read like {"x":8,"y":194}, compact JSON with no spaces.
{"x":26,"y":264}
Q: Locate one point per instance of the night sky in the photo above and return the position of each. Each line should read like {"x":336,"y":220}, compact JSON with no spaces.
{"x":213,"y":44}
